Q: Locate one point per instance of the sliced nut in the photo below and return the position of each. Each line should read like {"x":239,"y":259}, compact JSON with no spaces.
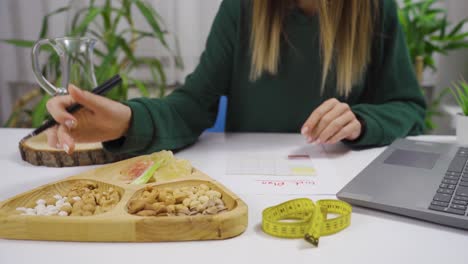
{"x":147,"y":213}
{"x":211,"y":202}
{"x":211,"y":210}
{"x":218,"y":201}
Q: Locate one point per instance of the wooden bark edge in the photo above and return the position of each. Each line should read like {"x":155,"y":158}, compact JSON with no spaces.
{"x":58,"y":158}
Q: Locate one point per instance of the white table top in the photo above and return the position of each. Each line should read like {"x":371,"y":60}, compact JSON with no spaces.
{"x":373,"y":237}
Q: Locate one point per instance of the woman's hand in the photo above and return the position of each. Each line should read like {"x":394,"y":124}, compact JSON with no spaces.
{"x":100,"y":119}
{"x":331,"y":122}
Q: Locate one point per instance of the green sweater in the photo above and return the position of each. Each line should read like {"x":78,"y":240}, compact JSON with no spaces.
{"x":388,"y":99}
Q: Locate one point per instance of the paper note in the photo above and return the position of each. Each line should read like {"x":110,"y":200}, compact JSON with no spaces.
{"x":281,"y":173}
{"x":269,"y":164}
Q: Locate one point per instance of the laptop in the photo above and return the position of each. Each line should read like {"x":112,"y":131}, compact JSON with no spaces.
{"x":423,"y":180}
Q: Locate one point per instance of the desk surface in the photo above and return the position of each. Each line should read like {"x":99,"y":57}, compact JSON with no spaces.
{"x":373,"y":237}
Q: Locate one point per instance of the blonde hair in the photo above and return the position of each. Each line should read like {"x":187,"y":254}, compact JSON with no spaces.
{"x":346,"y":29}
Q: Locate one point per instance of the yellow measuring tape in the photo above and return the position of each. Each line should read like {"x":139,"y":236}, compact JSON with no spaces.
{"x":310,"y":219}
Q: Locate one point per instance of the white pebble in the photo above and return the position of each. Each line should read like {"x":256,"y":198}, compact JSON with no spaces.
{"x":40,"y":206}
{"x":63,"y":213}
{"x":42,"y":212}
{"x":40,"y":209}
{"x":43,"y":209}
{"x":28,"y":213}
{"x":53,"y":213}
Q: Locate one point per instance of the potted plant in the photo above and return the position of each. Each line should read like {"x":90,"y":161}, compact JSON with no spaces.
{"x":428,"y":32}
{"x":112,"y":24}
{"x":460,"y":93}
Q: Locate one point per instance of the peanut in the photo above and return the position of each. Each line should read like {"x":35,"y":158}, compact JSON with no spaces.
{"x":66,"y":208}
{"x":179,"y":201}
{"x":170,"y":200}
{"x":136,"y":205}
{"x":89,"y":208}
{"x":170,"y":209}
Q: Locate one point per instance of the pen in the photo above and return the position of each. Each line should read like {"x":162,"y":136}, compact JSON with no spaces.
{"x":101,"y":89}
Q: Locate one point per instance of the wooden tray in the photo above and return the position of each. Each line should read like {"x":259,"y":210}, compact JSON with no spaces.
{"x":118,"y":225}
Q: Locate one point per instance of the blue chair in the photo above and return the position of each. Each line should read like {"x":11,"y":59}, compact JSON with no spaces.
{"x":221,"y":118}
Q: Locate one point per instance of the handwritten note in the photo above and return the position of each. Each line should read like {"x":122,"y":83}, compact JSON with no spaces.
{"x":280,"y":183}
{"x":280,"y":173}
{"x":269,"y":164}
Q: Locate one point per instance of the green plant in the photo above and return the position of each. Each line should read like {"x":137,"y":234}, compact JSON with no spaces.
{"x":427,"y":31}
{"x":460,"y":93}
{"x":112,"y":24}
{"x":433,"y":110}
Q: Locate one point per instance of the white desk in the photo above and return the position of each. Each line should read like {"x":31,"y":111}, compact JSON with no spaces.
{"x":373,"y":237}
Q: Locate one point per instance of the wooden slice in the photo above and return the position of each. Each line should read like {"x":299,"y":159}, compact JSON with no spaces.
{"x":117,"y":224}
{"x":36,"y":151}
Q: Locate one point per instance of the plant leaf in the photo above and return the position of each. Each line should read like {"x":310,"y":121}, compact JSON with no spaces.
{"x":139,"y":84}
{"x":93,"y":12}
{"x":20,"y":43}
{"x":124,"y":85}
{"x":149,"y":15}
{"x":45,"y":21}
{"x":39,"y":112}
{"x":458,"y":27}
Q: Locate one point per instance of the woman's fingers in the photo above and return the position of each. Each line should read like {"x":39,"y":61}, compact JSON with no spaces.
{"x":331,"y":121}
{"x":57,"y":108}
{"x":351,"y":131}
{"x":335,"y":126}
{"x":65,"y":140}
{"x":311,"y":123}
{"x":52,"y":139}
{"x":100,"y":119}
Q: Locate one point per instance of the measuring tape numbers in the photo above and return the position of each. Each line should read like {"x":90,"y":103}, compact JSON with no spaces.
{"x":309,"y":219}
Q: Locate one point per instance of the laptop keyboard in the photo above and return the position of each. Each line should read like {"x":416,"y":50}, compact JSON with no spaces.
{"x":452,"y":195}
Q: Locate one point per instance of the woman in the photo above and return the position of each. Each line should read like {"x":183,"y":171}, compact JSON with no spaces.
{"x":334,"y":70}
